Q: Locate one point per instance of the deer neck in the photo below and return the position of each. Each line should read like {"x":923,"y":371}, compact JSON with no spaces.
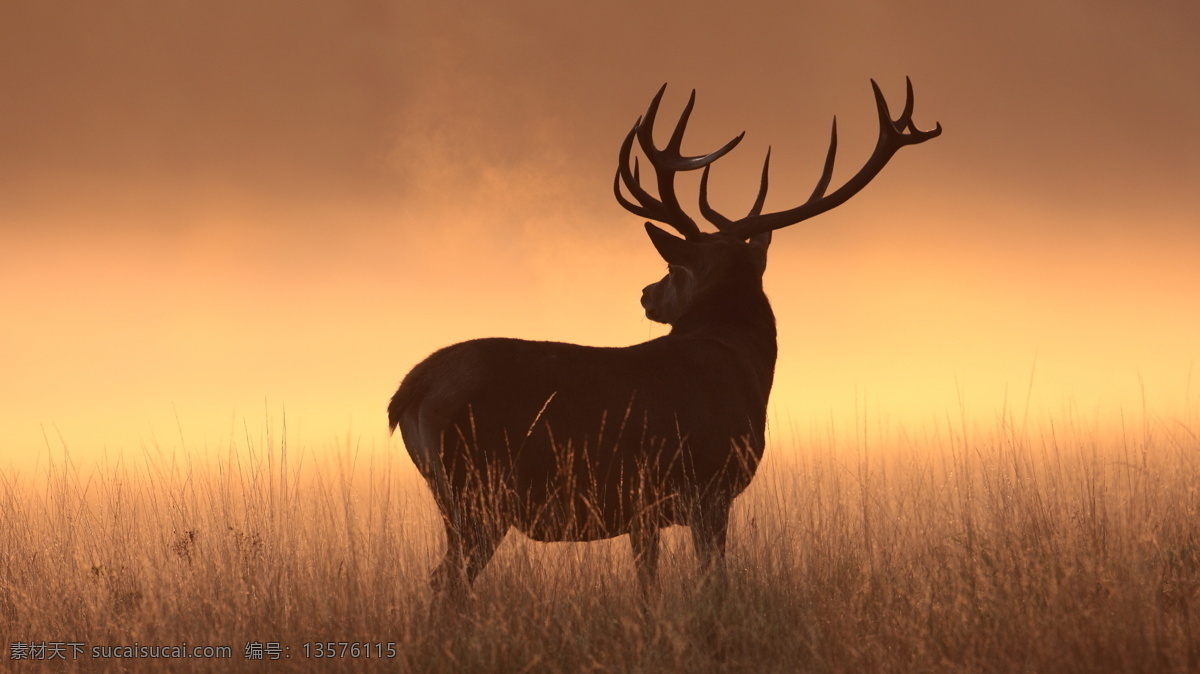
{"x":740,"y":320}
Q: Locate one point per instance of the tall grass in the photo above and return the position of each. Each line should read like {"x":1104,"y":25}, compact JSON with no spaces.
{"x":1065,"y":549}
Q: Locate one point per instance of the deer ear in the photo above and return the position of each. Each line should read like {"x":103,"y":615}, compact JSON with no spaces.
{"x":672,"y":248}
{"x":759,"y":243}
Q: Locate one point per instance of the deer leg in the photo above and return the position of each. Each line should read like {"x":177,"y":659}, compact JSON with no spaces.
{"x":472,"y":536}
{"x":709,"y":527}
{"x":447,"y":578}
{"x":482,"y":538}
{"x":643,"y":538}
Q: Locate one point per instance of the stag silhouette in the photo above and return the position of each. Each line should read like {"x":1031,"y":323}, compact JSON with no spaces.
{"x":579,"y":443}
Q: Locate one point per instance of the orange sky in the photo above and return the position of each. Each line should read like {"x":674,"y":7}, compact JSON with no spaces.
{"x":214,"y":212}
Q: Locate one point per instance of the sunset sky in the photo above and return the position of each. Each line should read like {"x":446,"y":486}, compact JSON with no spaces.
{"x":216,"y":213}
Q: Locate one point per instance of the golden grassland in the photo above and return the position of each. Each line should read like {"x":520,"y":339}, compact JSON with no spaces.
{"x":1065,"y":549}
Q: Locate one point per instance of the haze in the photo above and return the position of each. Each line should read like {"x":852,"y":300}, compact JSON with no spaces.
{"x":215,"y":214}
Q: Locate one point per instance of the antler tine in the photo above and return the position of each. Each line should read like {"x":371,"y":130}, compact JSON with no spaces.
{"x":666,"y":162}
{"x":887,"y":126}
{"x":645,"y":124}
{"x":827,"y":172}
{"x":676,"y":141}
{"x":761,"y":199}
{"x":906,"y":116}
{"x":893,"y":135}
{"x":723,"y":223}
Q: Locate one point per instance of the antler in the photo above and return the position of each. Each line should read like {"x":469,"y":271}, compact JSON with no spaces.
{"x":893,"y":135}
{"x":666,"y":163}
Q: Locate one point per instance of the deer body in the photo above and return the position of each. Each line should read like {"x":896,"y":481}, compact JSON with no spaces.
{"x":576,"y":443}
{"x":585,"y":436}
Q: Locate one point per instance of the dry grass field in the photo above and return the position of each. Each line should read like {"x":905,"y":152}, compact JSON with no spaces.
{"x":1065,"y":549}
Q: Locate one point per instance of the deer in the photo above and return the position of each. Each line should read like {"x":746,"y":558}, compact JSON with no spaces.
{"x":578,"y":443}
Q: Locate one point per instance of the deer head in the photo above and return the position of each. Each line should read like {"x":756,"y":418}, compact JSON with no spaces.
{"x":700,"y":262}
